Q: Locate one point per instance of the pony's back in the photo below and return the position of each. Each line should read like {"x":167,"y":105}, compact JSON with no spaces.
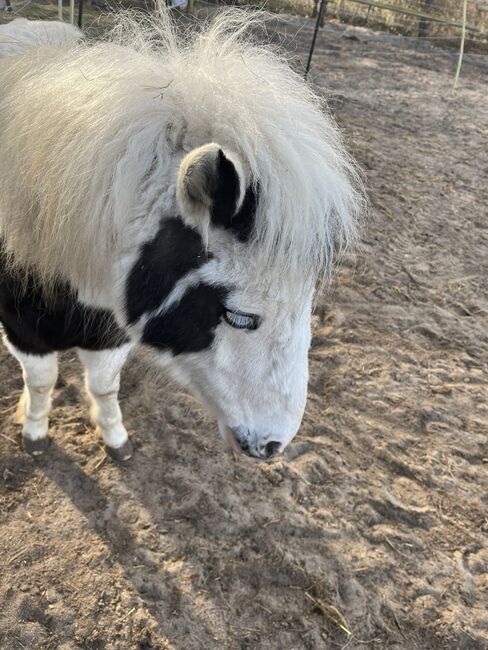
{"x":21,"y":34}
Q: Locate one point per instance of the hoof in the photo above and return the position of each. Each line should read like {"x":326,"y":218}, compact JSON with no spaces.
{"x":35,"y":447}
{"x":122,"y":453}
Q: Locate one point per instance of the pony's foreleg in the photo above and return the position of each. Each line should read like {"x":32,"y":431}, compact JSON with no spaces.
{"x":102,"y":383}
{"x":40,"y":374}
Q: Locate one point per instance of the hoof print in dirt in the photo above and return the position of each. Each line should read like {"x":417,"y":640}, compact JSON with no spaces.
{"x":35,"y":447}
{"x":121,"y":454}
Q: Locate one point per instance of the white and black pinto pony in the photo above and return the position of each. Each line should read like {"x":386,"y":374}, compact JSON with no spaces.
{"x":183,"y":193}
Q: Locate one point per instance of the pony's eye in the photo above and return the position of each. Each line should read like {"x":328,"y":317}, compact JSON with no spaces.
{"x":242,"y":321}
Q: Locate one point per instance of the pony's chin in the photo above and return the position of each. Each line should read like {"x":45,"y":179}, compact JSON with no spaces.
{"x":229,"y":436}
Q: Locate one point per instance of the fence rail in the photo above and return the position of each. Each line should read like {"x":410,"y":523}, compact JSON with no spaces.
{"x":410,"y":12}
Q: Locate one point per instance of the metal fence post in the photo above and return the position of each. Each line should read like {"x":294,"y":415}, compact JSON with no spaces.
{"x":80,"y":14}
{"x":323,"y":4}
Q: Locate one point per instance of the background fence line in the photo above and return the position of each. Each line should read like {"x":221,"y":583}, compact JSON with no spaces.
{"x":422,"y":16}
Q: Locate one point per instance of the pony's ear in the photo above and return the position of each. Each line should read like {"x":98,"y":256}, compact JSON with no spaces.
{"x":212,"y":182}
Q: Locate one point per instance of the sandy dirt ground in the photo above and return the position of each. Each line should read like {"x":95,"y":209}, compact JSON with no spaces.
{"x":372,"y":531}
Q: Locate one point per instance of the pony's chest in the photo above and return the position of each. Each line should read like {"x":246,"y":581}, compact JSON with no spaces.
{"x":38,"y":324}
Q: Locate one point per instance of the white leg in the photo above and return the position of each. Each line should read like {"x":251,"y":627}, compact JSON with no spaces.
{"x":102,"y":383}
{"x":40,"y":374}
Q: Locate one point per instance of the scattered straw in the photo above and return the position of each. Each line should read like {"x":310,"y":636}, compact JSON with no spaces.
{"x":101,"y":461}
{"x":9,"y":409}
{"x":330,"y":613}
{"x":14,"y":442}
{"x":128,"y":614}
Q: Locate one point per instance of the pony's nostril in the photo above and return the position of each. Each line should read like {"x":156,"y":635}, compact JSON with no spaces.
{"x":271,"y":448}
{"x":244,"y":445}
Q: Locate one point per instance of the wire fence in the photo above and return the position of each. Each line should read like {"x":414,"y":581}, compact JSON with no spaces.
{"x":439,"y":22}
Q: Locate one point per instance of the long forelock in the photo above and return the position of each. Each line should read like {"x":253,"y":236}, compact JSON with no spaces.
{"x":310,"y":195}
{"x":181,"y":90}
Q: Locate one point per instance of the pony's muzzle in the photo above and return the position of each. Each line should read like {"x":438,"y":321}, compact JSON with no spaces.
{"x":250,"y":445}
{"x":272,"y":448}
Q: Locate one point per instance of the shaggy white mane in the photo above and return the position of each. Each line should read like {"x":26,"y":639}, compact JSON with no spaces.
{"x":83,"y":126}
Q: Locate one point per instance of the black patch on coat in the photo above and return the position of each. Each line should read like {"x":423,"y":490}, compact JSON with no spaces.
{"x":175,"y":250}
{"x":242,"y":223}
{"x":225,"y":196}
{"x":190,"y":325}
{"x":37,"y":324}
{"x":225,"y":193}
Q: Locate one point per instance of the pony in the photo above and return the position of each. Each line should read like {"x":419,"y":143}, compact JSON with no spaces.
{"x":187,"y":192}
